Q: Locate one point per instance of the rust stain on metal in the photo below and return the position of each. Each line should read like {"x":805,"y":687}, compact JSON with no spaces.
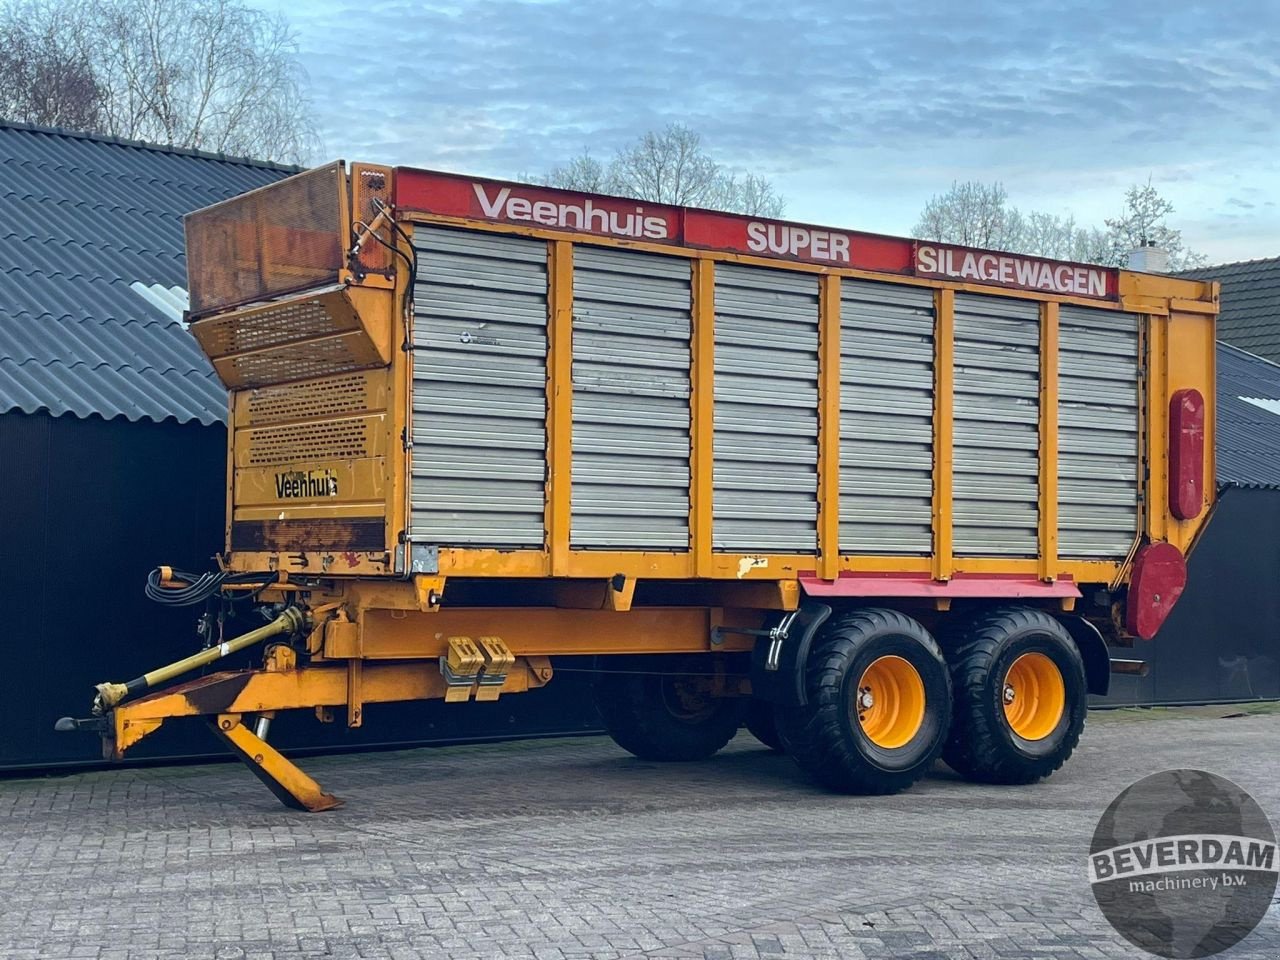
{"x":349,"y":536}
{"x":216,"y":698}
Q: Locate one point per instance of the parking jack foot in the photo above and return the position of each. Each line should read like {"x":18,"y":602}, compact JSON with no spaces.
{"x":291,"y":786}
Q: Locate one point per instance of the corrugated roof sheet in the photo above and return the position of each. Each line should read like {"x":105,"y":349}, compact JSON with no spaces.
{"x":81,"y":219}
{"x":1250,"y":308}
{"x":1248,"y":433}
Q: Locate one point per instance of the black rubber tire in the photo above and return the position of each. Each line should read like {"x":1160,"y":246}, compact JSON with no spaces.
{"x":635,"y":711}
{"x":982,"y":746}
{"x":762,"y":723}
{"x":824,"y":736}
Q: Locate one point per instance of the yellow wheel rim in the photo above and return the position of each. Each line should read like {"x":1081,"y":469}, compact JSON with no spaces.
{"x":1034,"y":696}
{"x":889,"y":702}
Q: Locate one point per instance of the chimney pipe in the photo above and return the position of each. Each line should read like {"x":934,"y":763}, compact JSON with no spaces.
{"x":1149,"y":258}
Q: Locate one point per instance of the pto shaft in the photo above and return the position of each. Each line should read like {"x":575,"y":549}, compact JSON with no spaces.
{"x":110,"y":694}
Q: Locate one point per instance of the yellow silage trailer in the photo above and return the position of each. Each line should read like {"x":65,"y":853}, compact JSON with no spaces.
{"x":881,"y":500}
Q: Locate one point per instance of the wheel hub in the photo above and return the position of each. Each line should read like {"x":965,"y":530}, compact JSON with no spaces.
{"x":688,"y":698}
{"x":1035,"y":696}
{"x":890,"y":702}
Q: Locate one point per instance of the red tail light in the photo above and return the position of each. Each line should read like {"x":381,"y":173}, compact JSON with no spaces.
{"x":1186,"y":454}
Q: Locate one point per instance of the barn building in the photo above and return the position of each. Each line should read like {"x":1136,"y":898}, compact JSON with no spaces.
{"x":113,"y":447}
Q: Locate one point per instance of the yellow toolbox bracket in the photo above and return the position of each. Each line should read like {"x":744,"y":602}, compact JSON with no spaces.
{"x":460,"y":668}
{"x":498,"y":661}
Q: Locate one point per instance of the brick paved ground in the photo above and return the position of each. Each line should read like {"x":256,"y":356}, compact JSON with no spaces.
{"x":571,"y":848}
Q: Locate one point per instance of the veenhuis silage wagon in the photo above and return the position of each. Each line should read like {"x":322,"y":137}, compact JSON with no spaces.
{"x":882,"y":500}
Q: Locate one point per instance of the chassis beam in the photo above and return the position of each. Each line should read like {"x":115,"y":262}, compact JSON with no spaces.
{"x":284,"y":685}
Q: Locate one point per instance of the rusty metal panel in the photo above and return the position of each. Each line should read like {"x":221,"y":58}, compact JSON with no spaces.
{"x":766,"y":410}
{"x":1097,"y":433}
{"x":479,"y":389}
{"x":886,"y":418}
{"x":287,"y":236}
{"x":997,"y":427}
{"x":323,"y":535}
{"x":631,"y":418}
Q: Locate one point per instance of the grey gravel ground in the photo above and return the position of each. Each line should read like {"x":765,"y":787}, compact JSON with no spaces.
{"x":572,"y":848}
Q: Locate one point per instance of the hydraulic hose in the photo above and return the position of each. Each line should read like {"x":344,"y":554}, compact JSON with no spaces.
{"x":196,"y":589}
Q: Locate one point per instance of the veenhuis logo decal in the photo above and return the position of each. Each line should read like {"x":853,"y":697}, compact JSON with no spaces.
{"x":306,"y":484}
{"x":1183,"y":864}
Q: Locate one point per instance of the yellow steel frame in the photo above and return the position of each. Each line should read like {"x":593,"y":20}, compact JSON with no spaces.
{"x":829,"y":427}
{"x":225,"y":698}
{"x":292,"y":687}
{"x":559,"y":403}
{"x":1048,"y":440}
{"x":944,"y":346}
{"x":397,"y":634}
{"x":1176,"y":310}
{"x":702,"y":399}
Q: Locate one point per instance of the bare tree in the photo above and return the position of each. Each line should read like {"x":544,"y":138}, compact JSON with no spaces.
{"x":670,"y":166}
{"x":750,"y":194}
{"x":979,"y":215}
{"x":209,"y":74}
{"x":583,"y":172}
{"x":1059,"y":237}
{"x":44,"y":82}
{"x":971,"y":213}
{"x":1142,"y":222}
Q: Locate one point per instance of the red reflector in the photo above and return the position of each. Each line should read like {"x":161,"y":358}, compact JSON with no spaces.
{"x":1186,"y":454}
{"x":1159,"y":576}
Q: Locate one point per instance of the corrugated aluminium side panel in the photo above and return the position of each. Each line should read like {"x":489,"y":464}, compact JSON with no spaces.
{"x":886,"y":418}
{"x":479,"y":389}
{"x":996,"y":465}
{"x":1097,"y":433}
{"x":631,"y":420}
{"x":766,"y":410}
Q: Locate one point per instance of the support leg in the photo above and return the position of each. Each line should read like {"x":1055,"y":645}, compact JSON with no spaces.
{"x":291,"y":786}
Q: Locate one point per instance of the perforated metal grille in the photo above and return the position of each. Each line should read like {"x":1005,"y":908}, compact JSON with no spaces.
{"x":315,"y":399}
{"x":286,"y":236}
{"x":326,"y":440}
{"x":300,"y":361}
{"x":297,"y":320}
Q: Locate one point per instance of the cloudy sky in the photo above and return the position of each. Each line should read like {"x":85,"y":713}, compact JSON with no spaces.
{"x":858,"y":111}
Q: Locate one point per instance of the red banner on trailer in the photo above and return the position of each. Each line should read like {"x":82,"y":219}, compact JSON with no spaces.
{"x":1014,"y":270}
{"x":548,"y":208}
{"x":450,"y":195}
{"x":796,"y":241}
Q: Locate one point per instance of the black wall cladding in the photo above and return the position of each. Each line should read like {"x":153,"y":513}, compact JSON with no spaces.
{"x":90,"y":506}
